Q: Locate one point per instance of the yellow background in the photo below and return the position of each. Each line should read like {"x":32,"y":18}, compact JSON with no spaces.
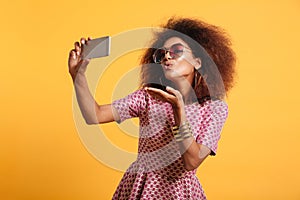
{"x":41,"y":154}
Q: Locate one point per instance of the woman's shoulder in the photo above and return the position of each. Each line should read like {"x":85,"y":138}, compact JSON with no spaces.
{"x":208,"y":101}
{"x":218,"y":108}
{"x":209,"y":106}
{"x":139,"y":93}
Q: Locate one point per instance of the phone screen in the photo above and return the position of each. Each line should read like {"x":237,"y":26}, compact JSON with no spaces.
{"x":97,"y":48}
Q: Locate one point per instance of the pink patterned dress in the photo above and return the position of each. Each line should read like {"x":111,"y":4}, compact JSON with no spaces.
{"x":158,"y":172}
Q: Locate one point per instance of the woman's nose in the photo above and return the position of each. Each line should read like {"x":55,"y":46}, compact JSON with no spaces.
{"x":167,"y":55}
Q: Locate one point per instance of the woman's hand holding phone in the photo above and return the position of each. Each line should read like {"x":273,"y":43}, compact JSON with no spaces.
{"x":77,"y":64}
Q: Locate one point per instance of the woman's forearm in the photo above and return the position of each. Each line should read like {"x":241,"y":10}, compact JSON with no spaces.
{"x":87,"y":104}
{"x":193,"y":154}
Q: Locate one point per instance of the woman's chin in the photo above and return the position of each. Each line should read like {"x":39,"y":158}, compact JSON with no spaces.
{"x":172,"y":75}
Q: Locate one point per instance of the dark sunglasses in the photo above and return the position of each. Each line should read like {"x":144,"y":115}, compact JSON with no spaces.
{"x":175,"y":51}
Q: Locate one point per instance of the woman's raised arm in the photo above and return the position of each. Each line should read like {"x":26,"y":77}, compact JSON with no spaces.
{"x":91,"y":111}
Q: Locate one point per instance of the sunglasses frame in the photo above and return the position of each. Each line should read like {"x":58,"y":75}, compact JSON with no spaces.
{"x":168,"y":51}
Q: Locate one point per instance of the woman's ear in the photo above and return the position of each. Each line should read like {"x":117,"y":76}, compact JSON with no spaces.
{"x":197,"y":63}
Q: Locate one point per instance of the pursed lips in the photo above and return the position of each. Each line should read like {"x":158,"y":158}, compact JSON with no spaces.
{"x":168,"y":65}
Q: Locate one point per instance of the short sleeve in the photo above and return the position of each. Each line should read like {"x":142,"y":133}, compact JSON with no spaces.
{"x":214,"y":116}
{"x":130,"y":106}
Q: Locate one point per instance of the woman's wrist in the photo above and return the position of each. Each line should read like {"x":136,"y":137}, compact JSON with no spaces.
{"x":182,"y":132}
{"x":179,"y":115}
{"x":79,"y":78}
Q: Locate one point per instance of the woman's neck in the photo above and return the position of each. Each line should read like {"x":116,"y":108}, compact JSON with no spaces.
{"x":186,"y":90}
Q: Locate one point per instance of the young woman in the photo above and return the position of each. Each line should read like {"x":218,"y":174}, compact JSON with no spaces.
{"x":180,"y":122}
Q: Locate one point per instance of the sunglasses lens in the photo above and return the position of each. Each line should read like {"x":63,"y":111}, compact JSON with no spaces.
{"x":159,"y":55}
{"x":176,"y":51}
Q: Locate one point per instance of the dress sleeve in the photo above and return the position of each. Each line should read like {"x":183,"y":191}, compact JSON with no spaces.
{"x":214,"y":117}
{"x":131,"y":105}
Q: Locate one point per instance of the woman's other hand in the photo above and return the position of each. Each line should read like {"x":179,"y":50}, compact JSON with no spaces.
{"x":174,"y":97}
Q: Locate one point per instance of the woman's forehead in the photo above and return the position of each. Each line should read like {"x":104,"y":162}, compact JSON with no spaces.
{"x":174,"y":40}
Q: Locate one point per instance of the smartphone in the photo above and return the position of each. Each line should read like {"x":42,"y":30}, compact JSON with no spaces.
{"x":156,"y":85}
{"x":97,"y":48}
